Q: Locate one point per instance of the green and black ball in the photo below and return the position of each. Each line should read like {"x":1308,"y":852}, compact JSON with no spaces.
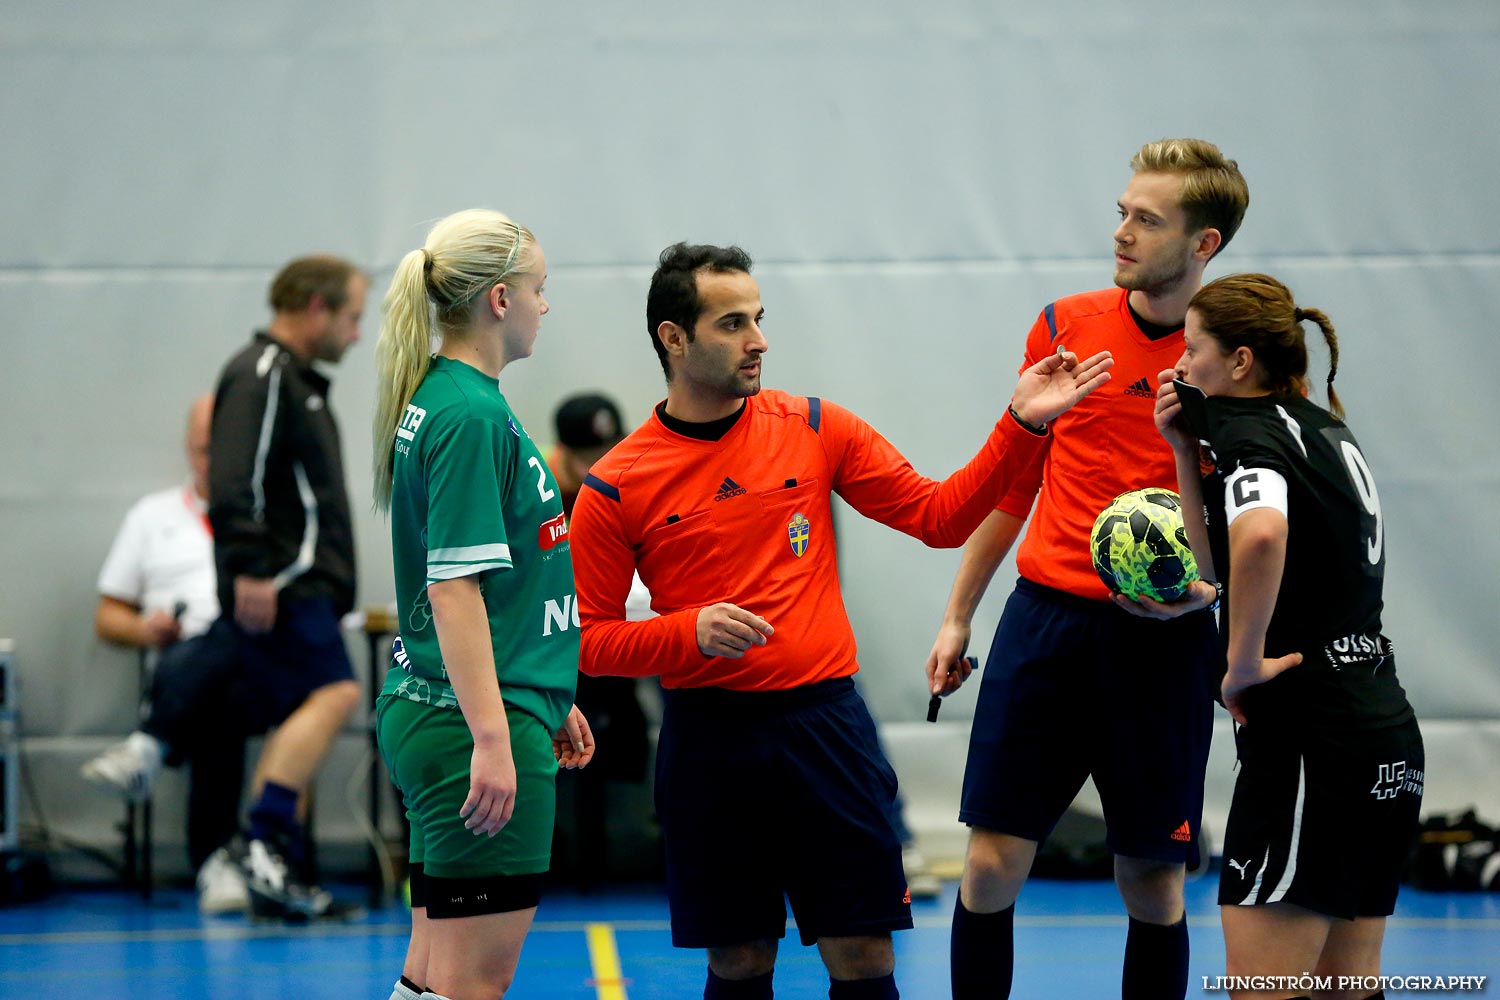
{"x":1140,"y":546}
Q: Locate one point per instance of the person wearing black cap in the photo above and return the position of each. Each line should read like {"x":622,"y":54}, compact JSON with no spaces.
{"x":588,"y":425}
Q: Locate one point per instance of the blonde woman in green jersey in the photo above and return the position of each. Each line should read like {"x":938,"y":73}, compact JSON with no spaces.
{"x":476,"y":712}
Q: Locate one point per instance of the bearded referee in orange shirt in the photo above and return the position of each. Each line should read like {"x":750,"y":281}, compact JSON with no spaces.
{"x":1078,"y":682}
{"x":721,"y":501}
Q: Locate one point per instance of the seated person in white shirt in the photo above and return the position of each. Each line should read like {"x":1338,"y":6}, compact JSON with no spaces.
{"x":157,"y":593}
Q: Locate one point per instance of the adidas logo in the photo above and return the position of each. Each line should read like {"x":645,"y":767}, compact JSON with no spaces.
{"x":728,"y":490}
{"x":1140,"y":388}
{"x":1183,"y":832}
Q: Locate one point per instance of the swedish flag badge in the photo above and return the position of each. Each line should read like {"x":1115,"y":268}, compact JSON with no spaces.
{"x":798,"y":530}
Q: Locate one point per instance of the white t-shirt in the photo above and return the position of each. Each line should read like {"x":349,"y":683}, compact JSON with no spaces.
{"x":164,"y":553}
{"x":638,"y":601}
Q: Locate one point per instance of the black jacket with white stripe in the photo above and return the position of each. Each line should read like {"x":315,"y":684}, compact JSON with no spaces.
{"x":277,"y":500}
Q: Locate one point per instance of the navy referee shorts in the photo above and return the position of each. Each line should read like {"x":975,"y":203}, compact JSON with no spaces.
{"x":1075,"y":688}
{"x":771,"y":796}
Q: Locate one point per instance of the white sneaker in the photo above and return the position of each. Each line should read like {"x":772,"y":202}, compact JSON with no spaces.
{"x":276,"y":891}
{"x":132,"y":766}
{"x":920,"y":882}
{"x":221,"y":885}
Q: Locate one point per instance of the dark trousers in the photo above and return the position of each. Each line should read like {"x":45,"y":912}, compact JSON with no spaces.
{"x":194,"y":711}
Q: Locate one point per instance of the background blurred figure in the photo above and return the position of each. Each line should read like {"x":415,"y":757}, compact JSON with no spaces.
{"x":284,"y":547}
{"x":587,"y":426}
{"x":157,"y":593}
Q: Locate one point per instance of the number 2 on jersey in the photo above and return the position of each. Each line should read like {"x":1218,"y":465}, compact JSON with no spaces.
{"x":546,"y":494}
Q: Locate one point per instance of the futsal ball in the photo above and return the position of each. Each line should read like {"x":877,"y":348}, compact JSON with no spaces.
{"x":1141,"y":547}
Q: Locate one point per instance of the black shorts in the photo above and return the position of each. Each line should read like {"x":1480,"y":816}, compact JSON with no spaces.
{"x":1075,"y":687}
{"x":1323,"y":823}
{"x":770,"y":796}
{"x":303,"y":652}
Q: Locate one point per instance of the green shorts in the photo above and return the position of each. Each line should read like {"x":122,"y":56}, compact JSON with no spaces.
{"x":427,"y":750}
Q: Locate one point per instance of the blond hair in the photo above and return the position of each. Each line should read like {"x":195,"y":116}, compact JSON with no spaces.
{"x":1214,"y":192}
{"x":465,"y":254}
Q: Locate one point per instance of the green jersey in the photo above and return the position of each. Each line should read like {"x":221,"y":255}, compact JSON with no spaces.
{"x":472,"y":496}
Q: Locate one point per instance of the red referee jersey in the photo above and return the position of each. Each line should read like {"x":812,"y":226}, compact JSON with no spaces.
{"x":746,"y":520}
{"x":1102,"y":447}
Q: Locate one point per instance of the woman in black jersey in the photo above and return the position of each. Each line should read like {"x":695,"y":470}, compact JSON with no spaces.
{"x":1330,"y":756}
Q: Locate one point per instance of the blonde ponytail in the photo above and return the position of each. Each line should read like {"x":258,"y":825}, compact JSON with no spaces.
{"x":466,"y":253}
{"x":402,"y":356}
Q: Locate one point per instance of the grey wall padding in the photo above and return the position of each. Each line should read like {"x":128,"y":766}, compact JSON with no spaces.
{"x":916,"y":183}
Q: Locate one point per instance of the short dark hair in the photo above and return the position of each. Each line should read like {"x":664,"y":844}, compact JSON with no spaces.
{"x":322,"y":276}
{"x":674,"y":287}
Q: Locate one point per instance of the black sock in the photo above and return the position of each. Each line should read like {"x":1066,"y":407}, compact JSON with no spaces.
{"x":983,"y":952}
{"x":883,"y":988}
{"x":412,"y":986}
{"x":1156,"y":961}
{"x":758,"y":988}
{"x":274,"y":812}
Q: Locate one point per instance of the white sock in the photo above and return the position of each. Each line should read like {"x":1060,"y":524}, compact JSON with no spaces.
{"x":429,"y":995}
{"x":148,"y":746}
{"x":404,"y":992}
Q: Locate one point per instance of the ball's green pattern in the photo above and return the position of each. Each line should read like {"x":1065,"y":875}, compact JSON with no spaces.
{"x":1140,"y":546}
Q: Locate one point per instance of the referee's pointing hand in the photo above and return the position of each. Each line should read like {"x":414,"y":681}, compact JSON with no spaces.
{"x":726,"y":630}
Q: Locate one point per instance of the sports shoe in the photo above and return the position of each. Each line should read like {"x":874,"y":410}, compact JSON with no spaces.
{"x":275,"y":891}
{"x":132,"y":766}
{"x":221,"y":885}
{"x":920,"y":882}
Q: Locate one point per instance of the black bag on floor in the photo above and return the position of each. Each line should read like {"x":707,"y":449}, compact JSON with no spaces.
{"x":1076,"y":849}
{"x":1455,"y":853}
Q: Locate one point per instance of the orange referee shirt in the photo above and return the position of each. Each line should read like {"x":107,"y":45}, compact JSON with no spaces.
{"x":1102,"y":447}
{"x":746,"y":519}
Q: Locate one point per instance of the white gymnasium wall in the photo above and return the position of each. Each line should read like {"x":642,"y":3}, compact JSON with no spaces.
{"x":915,"y":183}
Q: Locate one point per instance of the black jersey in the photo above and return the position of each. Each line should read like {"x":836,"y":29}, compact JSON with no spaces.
{"x":276,"y":479}
{"x":1328,"y":607}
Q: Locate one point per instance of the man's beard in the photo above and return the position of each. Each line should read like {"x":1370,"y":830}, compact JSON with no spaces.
{"x":331,"y":349}
{"x":736,"y":386}
{"x":1159,"y":281}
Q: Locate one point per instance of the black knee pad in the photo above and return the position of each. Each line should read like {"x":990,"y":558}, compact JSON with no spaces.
{"x":416,"y":887}
{"x":473,"y":897}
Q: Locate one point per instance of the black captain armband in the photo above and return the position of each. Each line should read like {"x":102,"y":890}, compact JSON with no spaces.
{"x":1033,"y":428}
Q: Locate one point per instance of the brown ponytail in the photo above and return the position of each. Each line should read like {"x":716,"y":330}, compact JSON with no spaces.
{"x":1321,"y":318}
{"x":1257,"y":311}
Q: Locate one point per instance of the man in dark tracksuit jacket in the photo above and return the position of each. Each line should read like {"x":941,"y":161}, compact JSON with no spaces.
{"x":284,"y":549}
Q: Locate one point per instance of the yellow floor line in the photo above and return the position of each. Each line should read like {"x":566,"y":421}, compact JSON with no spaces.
{"x":604,"y":959}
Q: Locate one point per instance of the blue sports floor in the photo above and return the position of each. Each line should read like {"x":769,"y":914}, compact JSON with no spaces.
{"x":1069,"y":938}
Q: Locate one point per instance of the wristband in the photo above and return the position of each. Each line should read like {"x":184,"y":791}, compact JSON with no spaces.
{"x":1032,"y":428}
{"x":1218,"y":595}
